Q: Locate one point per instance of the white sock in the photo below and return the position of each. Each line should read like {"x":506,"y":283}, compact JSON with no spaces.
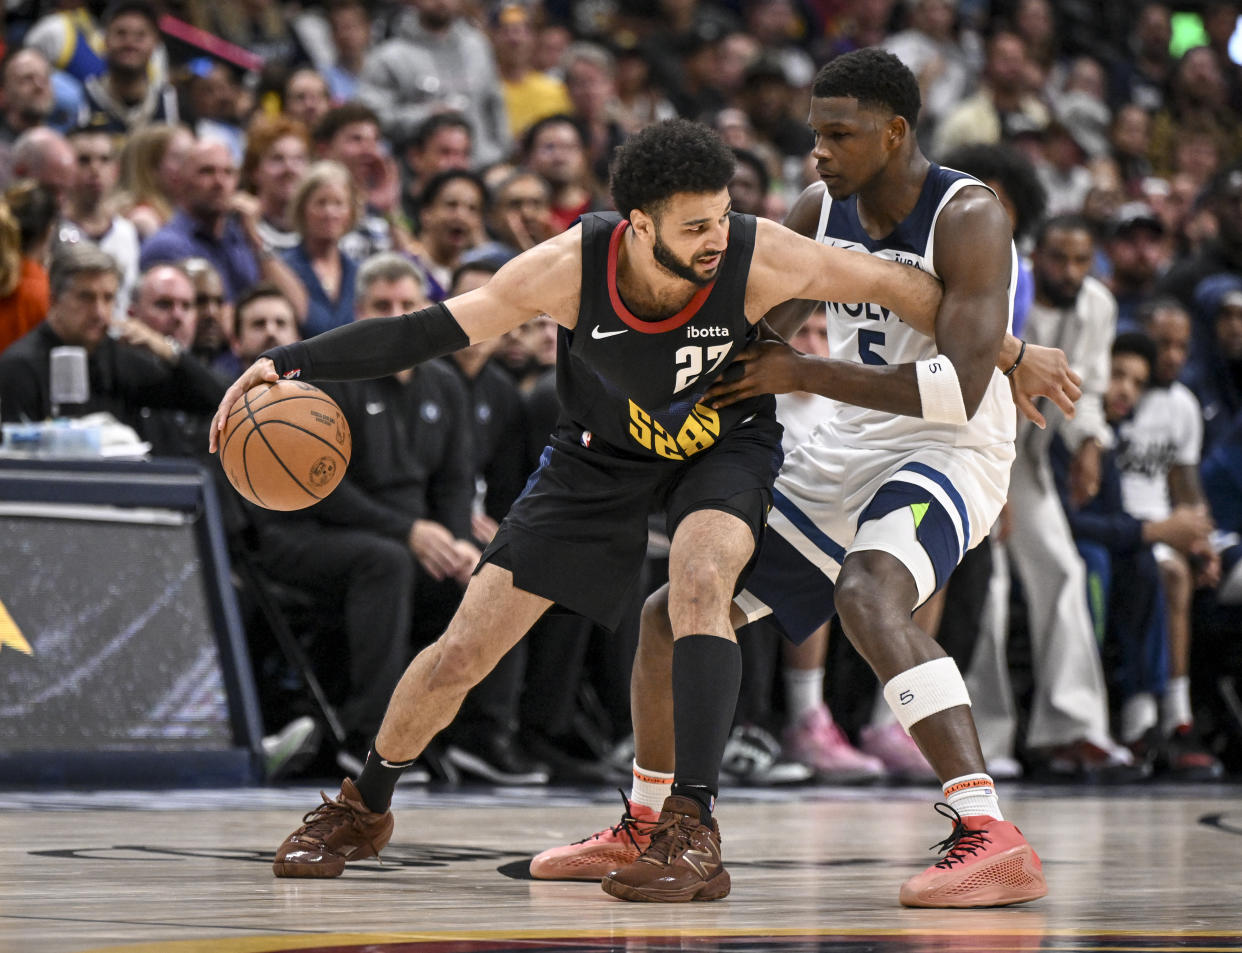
{"x":1138,"y":713}
{"x":973,"y":795}
{"x":1176,"y":705}
{"x":650,"y":788}
{"x":804,"y":691}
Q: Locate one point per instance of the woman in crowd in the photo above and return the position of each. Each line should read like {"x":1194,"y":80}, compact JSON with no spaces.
{"x":150,"y":166}
{"x":325,"y":207}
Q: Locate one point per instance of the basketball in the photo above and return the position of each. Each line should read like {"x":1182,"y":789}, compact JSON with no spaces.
{"x":285,"y":446}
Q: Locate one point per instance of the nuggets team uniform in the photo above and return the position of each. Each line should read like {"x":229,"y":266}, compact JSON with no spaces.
{"x":634,"y":437}
{"x":859,"y":466}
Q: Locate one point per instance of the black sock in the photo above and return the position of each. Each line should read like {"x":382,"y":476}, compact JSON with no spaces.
{"x":378,"y":780}
{"x":707,"y":671}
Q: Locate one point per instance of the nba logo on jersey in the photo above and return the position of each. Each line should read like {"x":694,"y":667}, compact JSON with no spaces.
{"x":585,"y":439}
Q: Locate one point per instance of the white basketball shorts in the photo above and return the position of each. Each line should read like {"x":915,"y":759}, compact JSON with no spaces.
{"x":925,"y":507}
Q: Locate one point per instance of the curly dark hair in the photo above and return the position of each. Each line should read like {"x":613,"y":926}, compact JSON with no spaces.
{"x":875,"y":77}
{"x":1138,"y":344}
{"x":667,"y":159}
{"x":1010,"y":169}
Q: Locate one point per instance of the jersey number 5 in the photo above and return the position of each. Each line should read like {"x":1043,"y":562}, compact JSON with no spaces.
{"x":866,"y":341}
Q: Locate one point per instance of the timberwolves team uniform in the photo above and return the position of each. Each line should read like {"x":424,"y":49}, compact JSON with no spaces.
{"x":633,"y":437}
{"x":942,"y":486}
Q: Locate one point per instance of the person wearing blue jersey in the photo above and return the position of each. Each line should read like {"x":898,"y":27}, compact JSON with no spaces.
{"x":871,"y":514}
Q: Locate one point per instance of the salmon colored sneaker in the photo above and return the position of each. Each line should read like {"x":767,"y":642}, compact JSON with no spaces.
{"x":594,"y":857}
{"x":332,"y":834}
{"x":987,"y":863}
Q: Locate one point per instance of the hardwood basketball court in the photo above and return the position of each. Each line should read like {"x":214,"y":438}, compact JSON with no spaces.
{"x":815,"y":869}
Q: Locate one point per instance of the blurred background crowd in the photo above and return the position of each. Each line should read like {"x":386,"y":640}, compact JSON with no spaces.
{"x":186,"y":184}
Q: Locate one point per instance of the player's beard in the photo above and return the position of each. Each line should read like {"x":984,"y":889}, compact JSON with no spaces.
{"x":682,"y":269}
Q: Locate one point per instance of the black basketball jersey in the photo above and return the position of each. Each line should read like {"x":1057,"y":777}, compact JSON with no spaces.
{"x":636,"y":384}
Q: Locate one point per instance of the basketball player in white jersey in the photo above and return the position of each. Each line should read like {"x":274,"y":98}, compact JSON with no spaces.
{"x":873,"y":513}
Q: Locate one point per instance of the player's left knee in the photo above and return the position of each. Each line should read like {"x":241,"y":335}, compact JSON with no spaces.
{"x":701,"y":588}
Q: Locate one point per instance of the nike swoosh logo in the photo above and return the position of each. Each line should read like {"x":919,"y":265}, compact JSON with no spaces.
{"x":600,"y":335}
{"x":374,"y":408}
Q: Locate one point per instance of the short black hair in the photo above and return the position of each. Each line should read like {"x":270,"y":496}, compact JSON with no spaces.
{"x":1071,"y":222}
{"x":874,"y":77}
{"x":666,"y":159}
{"x":747,"y":158}
{"x":528,"y":137}
{"x":1135,"y":342}
{"x":337,"y":118}
{"x":262,"y":289}
{"x":437,"y":183}
{"x":488,"y":265}
{"x":424,"y":131}
{"x":1015,"y":173}
{"x":1148,"y":310}
{"x":142,"y":8}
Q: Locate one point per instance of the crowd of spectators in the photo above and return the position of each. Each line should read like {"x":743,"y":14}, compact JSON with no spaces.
{"x":186,"y":184}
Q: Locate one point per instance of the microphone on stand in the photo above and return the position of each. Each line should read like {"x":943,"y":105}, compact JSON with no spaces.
{"x":70,"y":381}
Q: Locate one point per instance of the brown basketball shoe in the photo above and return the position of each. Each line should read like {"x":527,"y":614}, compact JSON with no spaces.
{"x":681,"y":863}
{"x":333,"y":833}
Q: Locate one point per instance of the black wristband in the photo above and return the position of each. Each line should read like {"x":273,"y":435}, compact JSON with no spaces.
{"x":1013,"y":367}
{"x":374,"y":347}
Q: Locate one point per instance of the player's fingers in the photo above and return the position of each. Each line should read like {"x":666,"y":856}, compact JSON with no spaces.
{"x":1030,"y":412}
{"x":1063,"y":400}
{"x":727,"y":395}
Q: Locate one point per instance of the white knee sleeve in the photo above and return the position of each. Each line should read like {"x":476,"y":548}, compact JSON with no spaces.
{"x":924,"y":690}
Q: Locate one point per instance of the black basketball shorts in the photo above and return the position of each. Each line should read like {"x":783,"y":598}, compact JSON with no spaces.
{"x":578,"y":533}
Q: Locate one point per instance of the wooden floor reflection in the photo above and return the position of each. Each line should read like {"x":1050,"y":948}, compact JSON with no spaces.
{"x":813,"y":870}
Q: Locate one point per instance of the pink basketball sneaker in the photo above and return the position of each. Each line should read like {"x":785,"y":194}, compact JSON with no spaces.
{"x":819,"y":743}
{"x":987,"y":863}
{"x":594,"y":857}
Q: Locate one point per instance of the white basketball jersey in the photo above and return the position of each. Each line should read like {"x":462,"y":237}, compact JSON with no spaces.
{"x":869,"y":334}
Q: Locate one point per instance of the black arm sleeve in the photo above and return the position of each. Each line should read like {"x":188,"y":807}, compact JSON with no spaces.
{"x":372,"y":348}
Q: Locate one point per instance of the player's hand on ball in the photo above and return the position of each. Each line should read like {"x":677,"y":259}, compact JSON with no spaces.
{"x":765,"y":367}
{"x":1045,"y":372}
{"x":261,"y":371}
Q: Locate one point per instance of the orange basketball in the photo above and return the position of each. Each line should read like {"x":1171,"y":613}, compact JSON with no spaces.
{"x":285,"y":445}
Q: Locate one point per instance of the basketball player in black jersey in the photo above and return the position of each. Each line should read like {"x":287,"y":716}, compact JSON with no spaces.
{"x":653,"y":304}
